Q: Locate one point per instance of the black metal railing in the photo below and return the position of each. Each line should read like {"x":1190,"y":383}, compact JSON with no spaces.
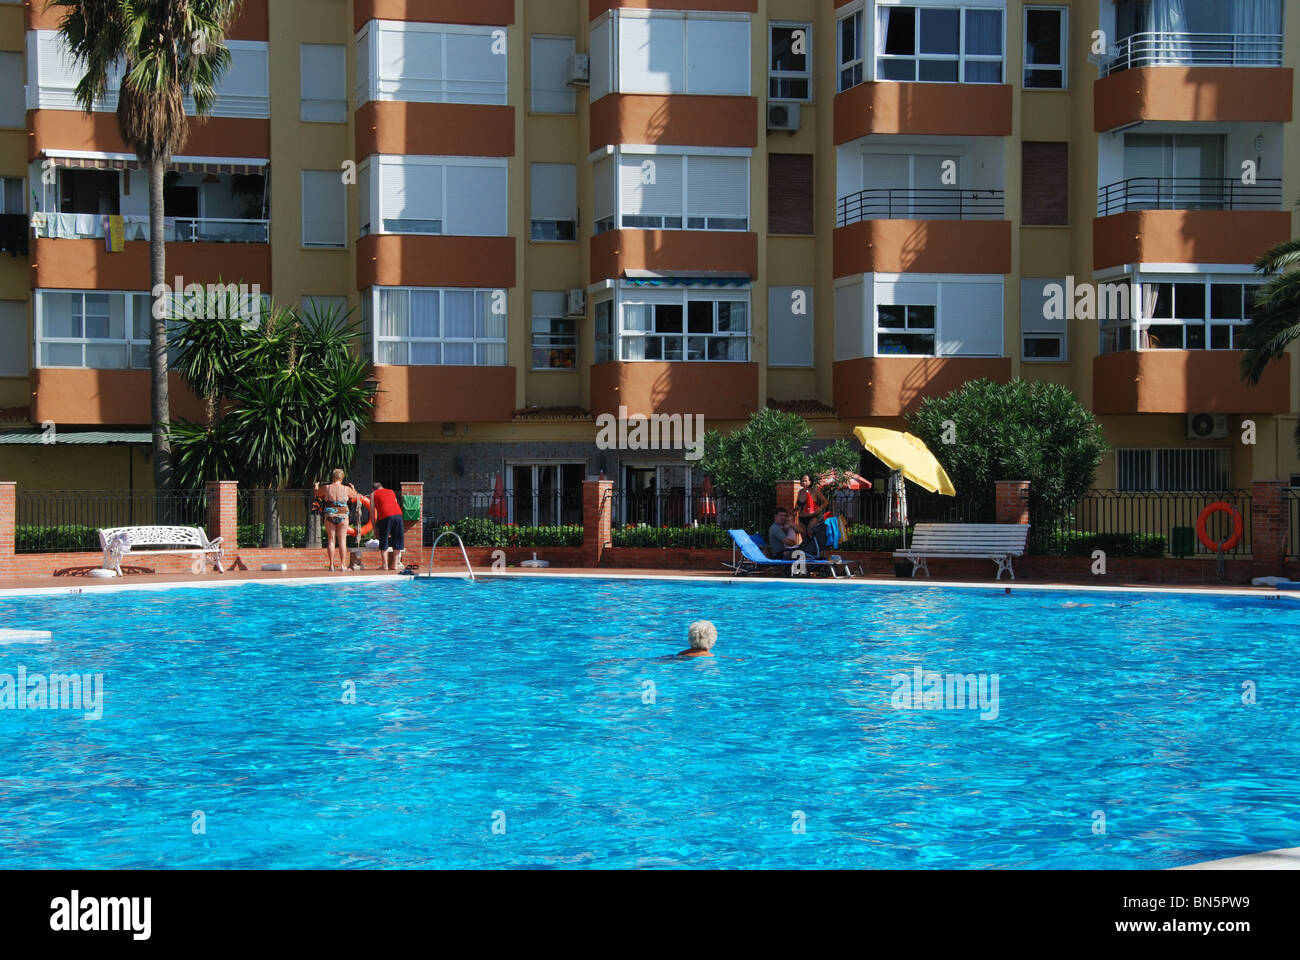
{"x":875,"y":522}
{"x":931,"y":203}
{"x":532,"y":518}
{"x":1188,"y":193}
{"x":1291,"y":498}
{"x":681,"y":519}
{"x":1124,"y":523}
{"x":261,"y":513}
{"x":60,"y":521}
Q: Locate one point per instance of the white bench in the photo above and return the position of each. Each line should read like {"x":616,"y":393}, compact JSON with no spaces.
{"x":119,"y":542}
{"x":991,"y":541}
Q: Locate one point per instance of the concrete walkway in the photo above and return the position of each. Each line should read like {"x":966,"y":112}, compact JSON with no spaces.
{"x":1288,"y":859}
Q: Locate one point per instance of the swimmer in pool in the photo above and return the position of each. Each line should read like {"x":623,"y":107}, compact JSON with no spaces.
{"x":702,"y":636}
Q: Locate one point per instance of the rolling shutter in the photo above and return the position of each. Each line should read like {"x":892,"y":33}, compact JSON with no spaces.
{"x":790,"y":206}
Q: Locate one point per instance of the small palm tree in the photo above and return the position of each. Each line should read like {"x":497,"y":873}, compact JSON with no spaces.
{"x":168,"y":49}
{"x":1276,"y":322}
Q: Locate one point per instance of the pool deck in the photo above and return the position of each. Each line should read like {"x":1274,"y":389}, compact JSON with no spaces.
{"x":62,"y":584}
{"x":1288,"y":859}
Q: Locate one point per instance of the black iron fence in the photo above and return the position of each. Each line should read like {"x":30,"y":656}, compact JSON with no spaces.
{"x":528,"y":518}
{"x":1130,"y":524}
{"x":682,"y":519}
{"x":1188,"y":193}
{"x":1291,"y":498}
{"x":877,"y":521}
{"x":277,"y":518}
{"x":61,"y":521}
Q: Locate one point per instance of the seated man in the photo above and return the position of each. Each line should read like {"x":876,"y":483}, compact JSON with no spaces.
{"x":782,"y":538}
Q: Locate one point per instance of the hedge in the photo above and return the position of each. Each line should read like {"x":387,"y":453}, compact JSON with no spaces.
{"x":67,"y":538}
{"x":479,"y":532}
{"x":250,"y":535}
{"x":1081,"y":543}
{"x":670,"y":538}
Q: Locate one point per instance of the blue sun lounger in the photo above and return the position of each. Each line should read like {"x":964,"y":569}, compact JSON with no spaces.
{"x":753,"y":558}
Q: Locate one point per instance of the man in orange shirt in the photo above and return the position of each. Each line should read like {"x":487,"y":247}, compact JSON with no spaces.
{"x":388,"y":526}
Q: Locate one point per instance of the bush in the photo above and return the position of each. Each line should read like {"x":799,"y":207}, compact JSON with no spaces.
{"x":250,"y":535}
{"x":670,"y":538}
{"x":66,"y":538}
{"x":1081,"y":543}
{"x":863,"y":537}
{"x":479,"y":532}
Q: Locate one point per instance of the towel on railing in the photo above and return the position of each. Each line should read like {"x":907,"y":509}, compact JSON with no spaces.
{"x":13,"y":234}
{"x":86,"y":224}
{"x":114,"y":233}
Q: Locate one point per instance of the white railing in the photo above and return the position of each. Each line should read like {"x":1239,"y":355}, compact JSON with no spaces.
{"x":93,"y":226}
{"x":1158,"y":49}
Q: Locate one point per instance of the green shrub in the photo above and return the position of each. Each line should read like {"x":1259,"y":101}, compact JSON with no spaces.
{"x":1081,"y":543}
{"x":863,"y":537}
{"x":480,"y":532}
{"x":670,"y":538}
{"x":66,"y":538}
{"x":250,"y":535}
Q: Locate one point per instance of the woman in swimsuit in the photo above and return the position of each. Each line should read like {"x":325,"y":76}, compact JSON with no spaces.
{"x":335,"y":496}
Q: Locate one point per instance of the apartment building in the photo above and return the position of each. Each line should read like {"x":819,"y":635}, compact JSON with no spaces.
{"x":548,"y":211}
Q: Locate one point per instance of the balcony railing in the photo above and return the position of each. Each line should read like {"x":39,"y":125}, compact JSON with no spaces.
{"x":1156,"y":49}
{"x":1188,"y":193}
{"x":93,"y":226}
{"x":936,"y":203}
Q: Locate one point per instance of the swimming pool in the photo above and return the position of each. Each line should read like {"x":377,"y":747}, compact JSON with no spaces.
{"x":535,"y":722}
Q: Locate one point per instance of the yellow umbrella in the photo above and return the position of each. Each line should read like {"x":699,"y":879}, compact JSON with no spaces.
{"x":909,"y":455}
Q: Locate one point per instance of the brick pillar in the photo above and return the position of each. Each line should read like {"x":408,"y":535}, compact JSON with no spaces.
{"x":223,"y":513}
{"x":1270,"y":520}
{"x":413,"y":530}
{"x":8,"y":506}
{"x":786,"y":492}
{"x":1012,"y":501}
{"x":597,"y":518}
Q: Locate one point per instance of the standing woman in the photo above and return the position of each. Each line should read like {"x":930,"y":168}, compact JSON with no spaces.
{"x":335,"y":496}
{"x":809,"y":504}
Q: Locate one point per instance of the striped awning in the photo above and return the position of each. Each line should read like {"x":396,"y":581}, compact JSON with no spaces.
{"x":240,"y":165}
{"x":696,"y":278}
{"x":29,"y":438}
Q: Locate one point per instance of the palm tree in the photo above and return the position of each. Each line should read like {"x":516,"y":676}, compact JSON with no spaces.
{"x":168,"y":49}
{"x":1276,"y":321}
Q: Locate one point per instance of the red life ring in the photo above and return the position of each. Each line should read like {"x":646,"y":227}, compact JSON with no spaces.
{"x":370,"y":517}
{"x":1238,"y":526}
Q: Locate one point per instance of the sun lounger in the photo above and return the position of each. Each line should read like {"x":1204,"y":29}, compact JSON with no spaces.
{"x":752,"y":557}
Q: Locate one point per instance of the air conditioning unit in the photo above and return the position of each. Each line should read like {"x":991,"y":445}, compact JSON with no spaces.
{"x":578,"y":72}
{"x":783,"y":116}
{"x":1207,"y":426}
{"x":577,"y":302}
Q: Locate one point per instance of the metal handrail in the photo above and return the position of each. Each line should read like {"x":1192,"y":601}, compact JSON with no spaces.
{"x":464,"y":555}
{"x":1160,"y":48}
{"x":927,"y":203}
{"x":1188,"y":193}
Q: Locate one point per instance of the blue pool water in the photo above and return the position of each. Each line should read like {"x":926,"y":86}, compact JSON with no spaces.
{"x":521,"y":704}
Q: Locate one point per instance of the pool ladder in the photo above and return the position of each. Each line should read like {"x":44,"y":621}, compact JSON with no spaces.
{"x":464,"y":555}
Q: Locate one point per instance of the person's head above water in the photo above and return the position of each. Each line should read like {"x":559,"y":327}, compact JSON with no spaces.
{"x":702,"y":635}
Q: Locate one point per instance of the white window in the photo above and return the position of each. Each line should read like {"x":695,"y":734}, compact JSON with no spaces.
{"x":13,"y":338}
{"x":1042,"y":335}
{"x":790,"y":326}
{"x":603,"y":174}
{"x":324,"y":83}
{"x":13,"y":106}
{"x":418,"y":326}
{"x":13,"y":195}
{"x":913,"y":187}
{"x":684,"y":325}
{"x":601,"y":45}
{"x":1176,"y":470}
{"x":554,"y":201}
{"x":674,"y":192}
{"x":939,"y":44}
{"x":456,"y":196}
{"x":432,"y":63}
{"x":851,"y":54}
{"x":790,"y":61}
{"x":1046,"y":43}
{"x":674,"y":52}
{"x":554,"y":335}
{"x":603,"y":311}
{"x":918,"y":316}
{"x":1187,"y":312}
{"x":92,"y":329}
{"x":324,"y":209}
{"x":550,"y":64}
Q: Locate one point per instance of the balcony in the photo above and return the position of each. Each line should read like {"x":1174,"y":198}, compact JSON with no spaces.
{"x":1188,"y":93}
{"x":615,"y":251}
{"x":84,"y":264}
{"x":895,"y":386}
{"x":721,"y":390}
{"x":444,"y":394}
{"x":88,"y":397}
{"x":1163,"y":49}
{"x":700,"y":120}
{"x":901,"y":203}
{"x":939,"y":109}
{"x":1136,"y":231}
{"x":1185,"y":381}
{"x":1188,"y":193}
{"x":73,"y":226}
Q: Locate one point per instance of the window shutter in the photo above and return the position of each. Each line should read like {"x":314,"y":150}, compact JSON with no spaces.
{"x":789,"y":335}
{"x":717,"y":53}
{"x":790,"y":206}
{"x":970,"y":320}
{"x":651,"y":55}
{"x":476,"y":201}
{"x":663,"y":197}
{"x":850,"y":330}
{"x":550,"y":62}
{"x":411,"y":191}
{"x":554,"y":191}
{"x":1045,"y":184}
{"x":717,"y":186}
{"x":601,"y":60}
{"x":324,"y":209}
{"x":13,"y":105}
{"x":474,"y":73}
{"x":603,"y":174}
{"x":324,"y":82}
{"x":1033,"y":299}
{"x":14,"y":346}
{"x":550,"y":304}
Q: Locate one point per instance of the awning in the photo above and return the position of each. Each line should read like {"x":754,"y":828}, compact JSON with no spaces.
{"x":695,"y":278}
{"x":82,"y":437}
{"x":122,"y":161}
